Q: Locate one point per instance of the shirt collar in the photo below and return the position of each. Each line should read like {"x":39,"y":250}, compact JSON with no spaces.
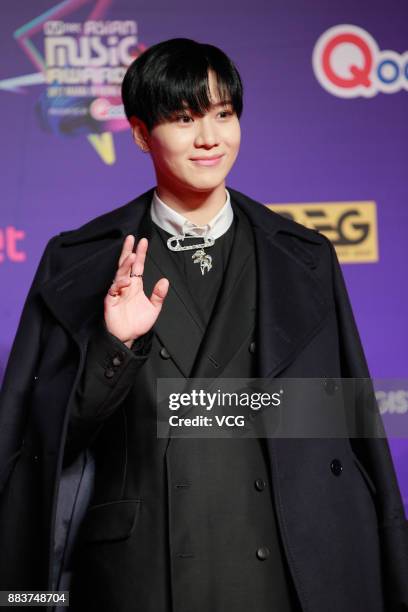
{"x":176,"y":224}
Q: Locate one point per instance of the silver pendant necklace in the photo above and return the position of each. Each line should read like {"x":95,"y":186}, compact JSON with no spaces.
{"x":200,"y":256}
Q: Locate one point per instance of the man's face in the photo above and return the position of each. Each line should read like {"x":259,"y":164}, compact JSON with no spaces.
{"x":182,"y":147}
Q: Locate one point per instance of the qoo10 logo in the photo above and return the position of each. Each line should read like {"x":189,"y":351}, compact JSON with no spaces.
{"x":348,"y":63}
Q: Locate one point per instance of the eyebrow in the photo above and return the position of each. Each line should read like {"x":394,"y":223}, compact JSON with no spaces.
{"x":218,"y":104}
{"x":223,"y":103}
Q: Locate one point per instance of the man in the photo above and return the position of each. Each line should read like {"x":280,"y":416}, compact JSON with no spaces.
{"x":218,"y":286}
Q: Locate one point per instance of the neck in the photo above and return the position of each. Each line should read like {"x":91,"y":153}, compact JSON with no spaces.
{"x":198,"y":207}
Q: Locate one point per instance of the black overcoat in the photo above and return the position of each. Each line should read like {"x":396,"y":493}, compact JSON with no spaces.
{"x":334,"y":528}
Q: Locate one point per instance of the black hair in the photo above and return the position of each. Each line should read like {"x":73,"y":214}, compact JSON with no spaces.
{"x":174,"y":73}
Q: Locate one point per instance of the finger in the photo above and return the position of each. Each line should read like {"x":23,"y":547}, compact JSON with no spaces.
{"x":121,"y":283}
{"x":126,"y":266}
{"x":127,"y":248}
{"x":117,"y":286}
{"x":141,"y":250}
{"x":112,"y":292}
{"x":159,"y":292}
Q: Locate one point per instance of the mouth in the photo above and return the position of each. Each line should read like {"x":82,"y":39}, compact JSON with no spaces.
{"x":207,"y":161}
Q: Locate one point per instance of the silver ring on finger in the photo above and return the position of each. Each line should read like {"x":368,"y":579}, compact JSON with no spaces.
{"x":137,"y":275}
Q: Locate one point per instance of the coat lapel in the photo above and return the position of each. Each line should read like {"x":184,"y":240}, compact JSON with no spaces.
{"x":179,"y":325}
{"x":231,"y":320}
{"x":292,"y":305}
{"x":75,"y":295}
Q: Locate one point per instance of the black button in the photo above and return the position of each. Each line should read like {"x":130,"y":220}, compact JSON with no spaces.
{"x":117,"y":359}
{"x":109,"y":373}
{"x":336,"y":467}
{"x":260,"y":484}
{"x":330,"y":386}
{"x":252,"y":347}
{"x":164,"y":353}
{"x":262,"y":553}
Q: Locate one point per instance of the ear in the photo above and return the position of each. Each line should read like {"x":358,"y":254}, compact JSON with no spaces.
{"x":140,"y":134}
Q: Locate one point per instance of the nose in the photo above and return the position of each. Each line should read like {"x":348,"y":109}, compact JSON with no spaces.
{"x":207,"y":134}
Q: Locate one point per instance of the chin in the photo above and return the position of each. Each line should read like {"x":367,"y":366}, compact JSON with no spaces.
{"x":206,"y":183}
{"x":204,"y":188}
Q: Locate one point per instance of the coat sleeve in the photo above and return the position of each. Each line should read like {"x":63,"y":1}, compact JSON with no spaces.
{"x":20,"y":370}
{"x":109,"y":373}
{"x":374,"y":453}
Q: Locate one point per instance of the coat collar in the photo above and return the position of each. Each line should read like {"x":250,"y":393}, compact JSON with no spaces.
{"x":292,"y":304}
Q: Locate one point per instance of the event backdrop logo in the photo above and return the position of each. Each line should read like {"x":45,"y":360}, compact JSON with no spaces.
{"x":351,"y":226}
{"x":348,"y":63}
{"x":80,"y":67}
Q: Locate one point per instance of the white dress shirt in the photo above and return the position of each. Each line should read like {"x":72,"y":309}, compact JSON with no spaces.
{"x":176,"y":224}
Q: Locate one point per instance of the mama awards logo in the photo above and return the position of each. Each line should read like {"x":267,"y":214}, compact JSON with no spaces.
{"x":348,"y":63}
{"x":80,"y":66}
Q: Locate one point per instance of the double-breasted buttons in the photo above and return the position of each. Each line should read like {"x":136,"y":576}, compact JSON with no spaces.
{"x":252,"y":348}
{"x":263,"y":553}
{"x":336,"y":467}
{"x":114,"y":363}
{"x":330,"y":386}
{"x":117,"y":359}
{"x":164,"y":353}
{"x":260,"y":484}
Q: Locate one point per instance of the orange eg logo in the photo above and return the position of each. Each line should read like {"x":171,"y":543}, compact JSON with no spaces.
{"x":351,"y":226}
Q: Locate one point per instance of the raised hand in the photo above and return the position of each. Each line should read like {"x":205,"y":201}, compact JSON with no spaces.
{"x":128,"y":312}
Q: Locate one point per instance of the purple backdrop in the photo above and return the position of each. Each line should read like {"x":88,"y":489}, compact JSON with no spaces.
{"x":329,"y":131}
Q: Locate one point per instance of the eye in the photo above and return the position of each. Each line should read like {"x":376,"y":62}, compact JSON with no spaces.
{"x":180,"y":118}
{"x":225,"y":113}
